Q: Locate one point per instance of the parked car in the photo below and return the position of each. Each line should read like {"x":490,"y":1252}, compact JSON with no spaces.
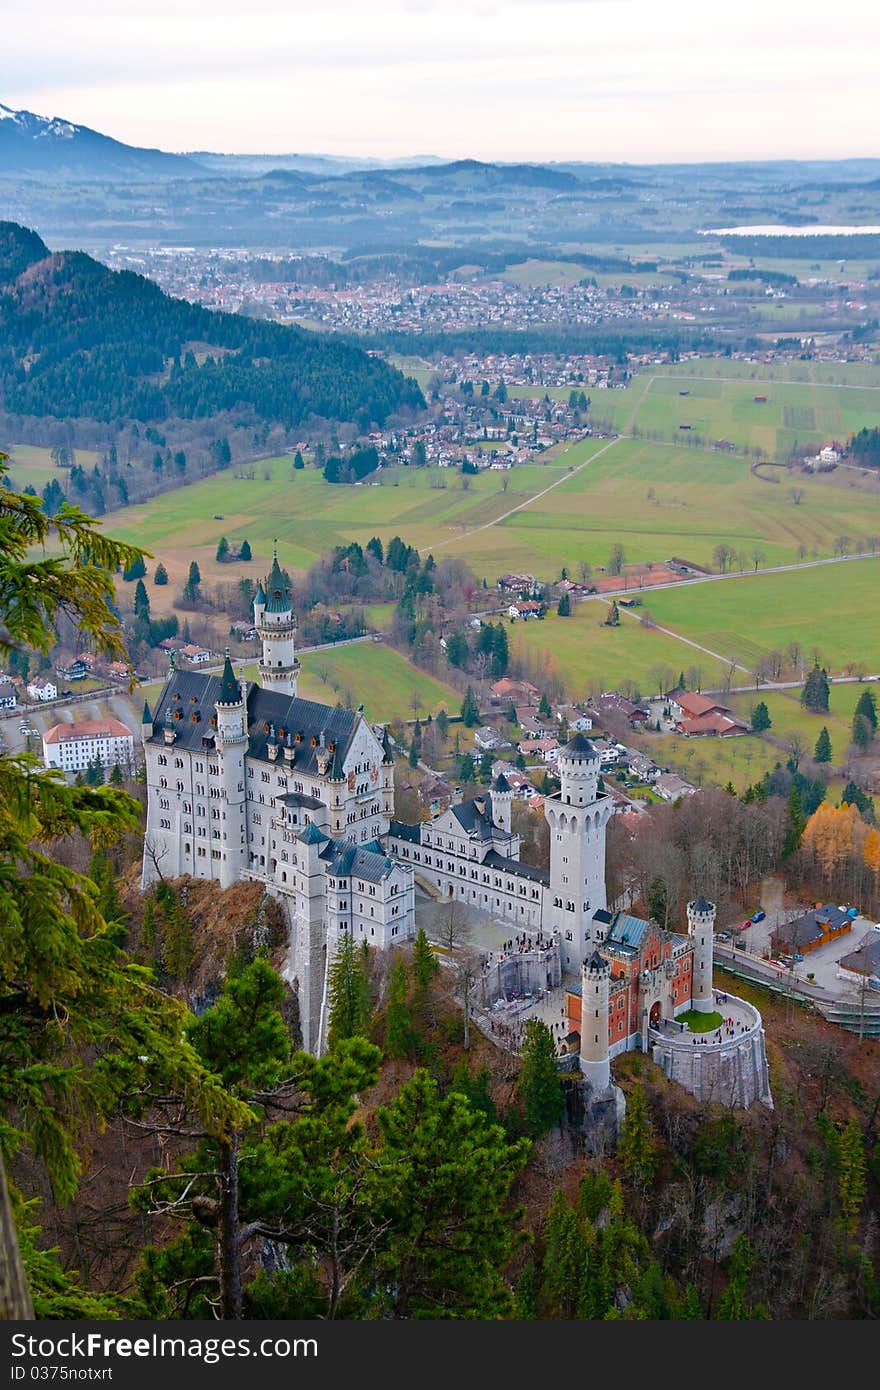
{"x":758,"y":916}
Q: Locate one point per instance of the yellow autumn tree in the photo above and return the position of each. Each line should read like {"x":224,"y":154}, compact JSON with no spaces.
{"x":832,"y":834}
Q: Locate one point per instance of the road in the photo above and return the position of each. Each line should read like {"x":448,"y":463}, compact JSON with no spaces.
{"x":487,"y":525}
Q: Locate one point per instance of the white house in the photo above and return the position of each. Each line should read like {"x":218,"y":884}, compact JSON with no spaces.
{"x":42,"y":690}
{"x":7,"y":695}
{"x":73,"y":746}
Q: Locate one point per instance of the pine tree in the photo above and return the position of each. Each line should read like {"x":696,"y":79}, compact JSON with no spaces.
{"x":851,"y":1170}
{"x":244,"y":551}
{"x":222,"y":550}
{"x":822,"y":751}
{"x":761,"y":717}
{"x":563,"y":608}
{"x":815,"y":692}
{"x":636,"y":1149}
{"x":136,"y":570}
{"x":349,"y":994}
{"x":866,"y":706}
{"x":161,"y":574}
{"x":116,"y":777}
{"x":191,"y":589}
{"x":544,"y":706}
{"x":470,"y":710}
{"x":734,"y":1305}
{"x":539,"y":1086}
{"x":796,"y":823}
{"x":141,"y":601}
{"x":298,"y":461}
{"x":424,"y":966}
{"x":399,"y":1034}
{"x":441,"y":1181}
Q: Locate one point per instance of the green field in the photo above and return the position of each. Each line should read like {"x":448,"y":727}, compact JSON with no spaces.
{"x":586,"y":655}
{"x":831,"y":610}
{"x":31,"y":466}
{"x":377,"y":675}
{"x":795,"y":414}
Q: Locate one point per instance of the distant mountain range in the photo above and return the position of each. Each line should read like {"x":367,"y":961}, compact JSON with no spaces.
{"x":40,"y":145}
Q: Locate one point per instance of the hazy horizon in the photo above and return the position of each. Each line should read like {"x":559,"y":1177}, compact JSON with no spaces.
{"x":622,"y":81}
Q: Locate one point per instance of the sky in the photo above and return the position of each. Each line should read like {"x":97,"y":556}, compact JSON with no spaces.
{"x":620,"y":80}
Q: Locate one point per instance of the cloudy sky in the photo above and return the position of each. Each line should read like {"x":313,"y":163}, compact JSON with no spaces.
{"x":503,"y":79}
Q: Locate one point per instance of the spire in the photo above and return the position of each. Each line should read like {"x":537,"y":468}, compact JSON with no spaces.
{"x":146,"y":717}
{"x":230,"y":690}
{"x":260,"y":595}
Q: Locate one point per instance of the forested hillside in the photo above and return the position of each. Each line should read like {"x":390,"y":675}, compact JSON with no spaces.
{"x":79,"y":341}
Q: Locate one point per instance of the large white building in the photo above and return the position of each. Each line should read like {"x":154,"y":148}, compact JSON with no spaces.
{"x":249,"y":781}
{"x":470,"y":853}
{"x":72,"y":747}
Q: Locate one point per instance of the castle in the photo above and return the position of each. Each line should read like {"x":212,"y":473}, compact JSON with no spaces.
{"x":248,"y":781}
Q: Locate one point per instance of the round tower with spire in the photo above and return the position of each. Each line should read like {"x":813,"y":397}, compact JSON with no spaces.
{"x":231,"y":742}
{"x":701,"y":929}
{"x":595,"y":1057}
{"x":276,"y":627}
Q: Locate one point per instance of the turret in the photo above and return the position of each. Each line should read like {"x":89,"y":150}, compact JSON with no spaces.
{"x":502,"y":799}
{"x":231,"y":743}
{"x":146,"y":723}
{"x":276,"y":626}
{"x":595,"y":980}
{"x":578,"y":767}
{"x":701,"y":929}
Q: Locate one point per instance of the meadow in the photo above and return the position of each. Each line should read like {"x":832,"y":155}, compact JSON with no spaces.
{"x":830,"y":610}
{"x":587,"y":656}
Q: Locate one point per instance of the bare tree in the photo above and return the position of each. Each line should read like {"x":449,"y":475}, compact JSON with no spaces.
{"x":796,"y":496}
{"x":155,"y":853}
{"x":453,"y":930}
{"x":467,"y":975}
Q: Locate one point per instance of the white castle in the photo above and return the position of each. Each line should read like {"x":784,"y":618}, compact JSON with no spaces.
{"x":248,"y":781}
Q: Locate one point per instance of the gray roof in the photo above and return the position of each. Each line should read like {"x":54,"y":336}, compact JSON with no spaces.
{"x":578,"y":747}
{"x":194,"y":693}
{"x":348,"y":860}
{"x":515,"y":868}
{"x":401,"y":831}
{"x":701,"y":904}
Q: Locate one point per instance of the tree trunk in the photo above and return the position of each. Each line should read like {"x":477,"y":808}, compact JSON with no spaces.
{"x":15,"y":1297}
{"x":229,"y":1236}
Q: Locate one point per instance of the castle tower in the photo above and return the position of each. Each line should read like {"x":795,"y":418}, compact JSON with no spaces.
{"x":577,"y":820}
{"x":595,"y":979}
{"x":146,"y":723}
{"x":701,"y":927}
{"x":231,"y":741}
{"x":276,"y":626}
{"x":502,"y":799}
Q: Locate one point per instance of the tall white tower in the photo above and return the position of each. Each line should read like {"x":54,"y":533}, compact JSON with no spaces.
{"x":577,"y":820}
{"x":595,"y":979}
{"x":502,"y":800}
{"x":701,"y":927}
{"x":276,"y":626}
{"x":229,"y":828}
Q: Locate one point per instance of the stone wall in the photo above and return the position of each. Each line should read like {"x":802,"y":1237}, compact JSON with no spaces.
{"x":522,"y":972}
{"x":733,"y":1072}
